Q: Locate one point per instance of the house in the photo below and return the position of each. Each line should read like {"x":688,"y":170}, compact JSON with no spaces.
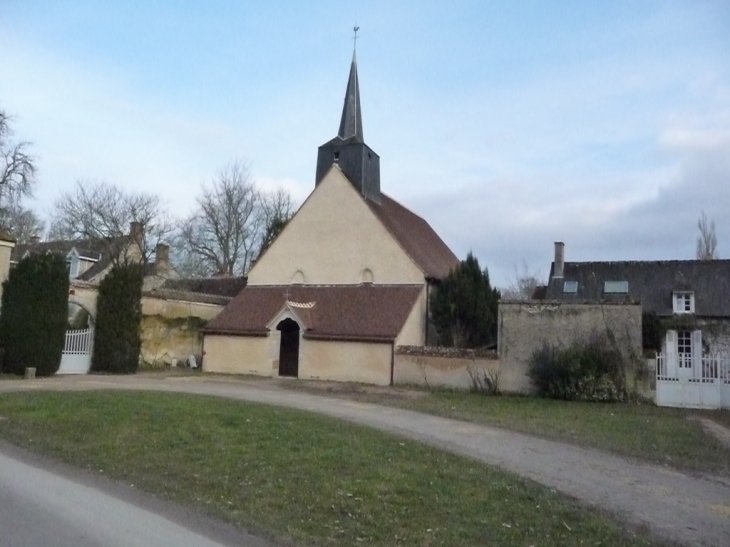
{"x":691,"y":299}
{"x":345,"y":282}
{"x":7,"y":245}
{"x":88,"y":260}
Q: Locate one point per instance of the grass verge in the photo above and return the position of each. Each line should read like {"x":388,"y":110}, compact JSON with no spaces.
{"x":298,"y":477}
{"x":665,"y":436}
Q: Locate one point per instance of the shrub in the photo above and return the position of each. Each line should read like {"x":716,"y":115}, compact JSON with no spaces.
{"x":485,"y":381}
{"x":117,"y":340}
{"x":34,"y":315}
{"x":652,"y":331}
{"x":587,"y":371}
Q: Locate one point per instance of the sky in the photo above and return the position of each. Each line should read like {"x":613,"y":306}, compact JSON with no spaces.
{"x":507,"y":125}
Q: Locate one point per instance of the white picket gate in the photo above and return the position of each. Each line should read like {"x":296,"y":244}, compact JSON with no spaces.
{"x":76,"y":358}
{"x":685,"y":381}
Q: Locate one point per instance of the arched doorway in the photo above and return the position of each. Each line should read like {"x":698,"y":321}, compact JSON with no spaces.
{"x":288,"y":348}
{"x":76,"y":356}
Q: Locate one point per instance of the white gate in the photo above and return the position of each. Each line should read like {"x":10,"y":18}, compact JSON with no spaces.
{"x":76,"y":358}
{"x":684,"y":381}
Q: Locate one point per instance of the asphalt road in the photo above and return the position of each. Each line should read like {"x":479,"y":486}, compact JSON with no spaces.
{"x":691,"y":510}
{"x":43,"y":508}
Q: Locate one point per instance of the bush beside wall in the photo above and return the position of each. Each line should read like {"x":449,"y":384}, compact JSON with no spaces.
{"x":34,"y":315}
{"x":117,"y":340}
{"x":593,"y":370}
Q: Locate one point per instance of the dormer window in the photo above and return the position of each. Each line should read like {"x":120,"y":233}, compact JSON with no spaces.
{"x":616,"y":287}
{"x":684,"y":302}
{"x":570,"y":287}
{"x":337,"y":155}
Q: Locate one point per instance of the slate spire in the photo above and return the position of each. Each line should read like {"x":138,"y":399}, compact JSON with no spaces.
{"x":357,"y":161}
{"x":351,"y":122}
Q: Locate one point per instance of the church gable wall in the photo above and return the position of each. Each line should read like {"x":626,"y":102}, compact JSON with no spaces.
{"x":333,"y":239}
{"x":414,"y":329}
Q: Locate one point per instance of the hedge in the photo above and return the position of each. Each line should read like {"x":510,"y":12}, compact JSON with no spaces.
{"x":117,"y":340}
{"x":34,"y":315}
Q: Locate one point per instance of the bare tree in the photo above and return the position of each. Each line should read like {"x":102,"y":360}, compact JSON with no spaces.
{"x":17,"y":170}
{"x":707,"y":240}
{"x":524,"y":284}
{"x":277,"y":208}
{"x":21,"y":223}
{"x":225,"y":229}
{"x":233,"y":219}
{"x":104,"y":212}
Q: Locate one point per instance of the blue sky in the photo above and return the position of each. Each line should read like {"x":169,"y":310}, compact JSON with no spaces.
{"x":506,"y":125}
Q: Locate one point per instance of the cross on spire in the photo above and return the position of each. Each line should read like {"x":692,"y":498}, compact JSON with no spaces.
{"x":354,"y":38}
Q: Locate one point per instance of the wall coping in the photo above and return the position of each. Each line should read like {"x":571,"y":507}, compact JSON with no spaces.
{"x":570,"y":302}
{"x":450,"y":353}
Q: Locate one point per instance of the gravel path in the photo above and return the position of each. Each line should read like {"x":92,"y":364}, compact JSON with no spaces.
{"x":687,"y":509}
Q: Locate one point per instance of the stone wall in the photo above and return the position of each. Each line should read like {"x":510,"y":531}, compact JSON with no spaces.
{"x":453,"y":368}
{"x":525,"y":326}
{"x":170,"y":329}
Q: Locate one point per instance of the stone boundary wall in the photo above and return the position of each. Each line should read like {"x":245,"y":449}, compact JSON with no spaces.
{"x":171,"y":329}
{"x":452,"y":368}
{"x":524,"y":327}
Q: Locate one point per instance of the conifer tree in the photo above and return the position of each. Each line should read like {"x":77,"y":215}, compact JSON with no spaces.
{"x":464,"y":307}
{"x":34,"y":315}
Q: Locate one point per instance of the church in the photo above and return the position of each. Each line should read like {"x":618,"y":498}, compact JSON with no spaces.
{"x":346,"y":281}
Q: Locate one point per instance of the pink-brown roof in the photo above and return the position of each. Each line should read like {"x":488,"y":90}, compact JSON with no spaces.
{"x":364,"y":312}
{"x":416,"y":236}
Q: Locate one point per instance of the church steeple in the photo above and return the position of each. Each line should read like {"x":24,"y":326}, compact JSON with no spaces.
{"x":348,"y":150}
{"x":351,"y":122}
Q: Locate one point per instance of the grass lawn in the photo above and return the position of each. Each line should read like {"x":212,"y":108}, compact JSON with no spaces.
{"x":294,"y":476}
{"x":666,"y":436}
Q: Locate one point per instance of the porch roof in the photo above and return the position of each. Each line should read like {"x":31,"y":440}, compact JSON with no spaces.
{"x":364,"y":312}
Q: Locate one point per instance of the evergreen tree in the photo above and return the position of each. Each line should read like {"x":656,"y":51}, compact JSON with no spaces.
{"x":34,"y":315}
{"x":117,"y":340}
{"x":464,"y":307}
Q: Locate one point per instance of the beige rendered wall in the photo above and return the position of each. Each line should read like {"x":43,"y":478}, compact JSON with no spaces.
{"x":454,"y":372}
{"x":237,"y":355}
{"x":332,"y":239}
{"x":414,"y":329}
{"x":6,"y":248}
{"x":345,"y":361}
{"x":526,"y":326}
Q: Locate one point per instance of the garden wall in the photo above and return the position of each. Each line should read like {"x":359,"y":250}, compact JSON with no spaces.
{"x":451,"y":367}
{"x":171,"y":326}
{"x":525,"y":326}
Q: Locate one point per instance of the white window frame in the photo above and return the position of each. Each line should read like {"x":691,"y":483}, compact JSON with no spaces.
{"x":683,"y":302}
{"x":616,"y":287}
{"x":570,"y":287}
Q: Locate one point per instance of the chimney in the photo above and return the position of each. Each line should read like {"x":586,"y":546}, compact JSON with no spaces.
{"x":559,"y":259}
{"x":162,"y":258}
{"x":136,"y":233}
{"x":34,"y":240}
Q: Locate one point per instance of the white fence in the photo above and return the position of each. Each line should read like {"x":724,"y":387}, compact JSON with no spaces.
{"x":76,"y":358}
{"x":684,"y":381}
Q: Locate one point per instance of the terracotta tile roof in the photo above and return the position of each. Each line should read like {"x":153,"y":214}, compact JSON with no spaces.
{"x":186,"y":296}
{"x":4,"y":236}
{"x":341,"y":312}
{"x":221,"y":286}
{"x":416,"y":236}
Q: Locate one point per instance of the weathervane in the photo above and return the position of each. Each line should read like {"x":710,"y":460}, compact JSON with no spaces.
{"x":354,"y":38}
